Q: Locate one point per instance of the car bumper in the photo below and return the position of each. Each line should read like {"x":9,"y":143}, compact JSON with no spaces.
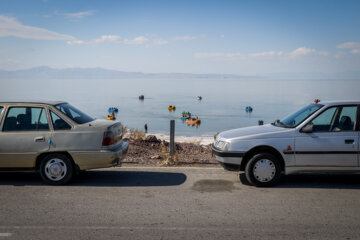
{"x":100,"y":159}
{"x":227,"y":157}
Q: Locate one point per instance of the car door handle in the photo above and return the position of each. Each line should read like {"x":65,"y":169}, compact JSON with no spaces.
{"x":349,"y":141}
{"x":39,"y":139}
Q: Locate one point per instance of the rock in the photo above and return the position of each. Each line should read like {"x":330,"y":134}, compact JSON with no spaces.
{"x":156,"y":157}
{"x":165,"y":143}
{"x":152,"y":138}
{"x":178,"y":147}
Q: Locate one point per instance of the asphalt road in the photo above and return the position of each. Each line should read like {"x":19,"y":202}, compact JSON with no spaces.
{"x":178,"y":203}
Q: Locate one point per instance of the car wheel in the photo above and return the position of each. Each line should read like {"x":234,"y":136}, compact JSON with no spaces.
{"x":56,"y":169}
{"x":263,"y":170}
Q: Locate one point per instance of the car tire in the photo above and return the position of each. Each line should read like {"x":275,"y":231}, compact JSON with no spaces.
{"x":263,"y":170}
{"x":56,"y":169}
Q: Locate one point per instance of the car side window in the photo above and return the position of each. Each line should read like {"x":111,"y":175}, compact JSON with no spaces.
{"x":346,"y":119}
{"x":26,"y":119}
{"x":336,"y":119}
{"x":58,"y":122}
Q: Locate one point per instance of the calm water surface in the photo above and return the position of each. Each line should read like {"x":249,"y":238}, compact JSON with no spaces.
{"x":222,"y":107}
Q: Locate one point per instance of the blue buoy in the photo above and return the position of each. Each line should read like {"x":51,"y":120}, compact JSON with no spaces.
{"x":248,"y":109}
{"x":113,"y":110}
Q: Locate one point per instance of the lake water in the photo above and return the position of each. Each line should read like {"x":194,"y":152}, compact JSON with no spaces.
{"x":222,"y":107}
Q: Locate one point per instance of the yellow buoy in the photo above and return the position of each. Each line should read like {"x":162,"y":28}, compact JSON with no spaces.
{"x":111,"y":116}
{"x":171,"y":108}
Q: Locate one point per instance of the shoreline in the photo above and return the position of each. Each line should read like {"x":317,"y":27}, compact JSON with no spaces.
{"x":183,"y":139}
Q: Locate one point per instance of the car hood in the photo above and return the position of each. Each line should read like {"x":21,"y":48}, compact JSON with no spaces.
{"x":256,"y":132}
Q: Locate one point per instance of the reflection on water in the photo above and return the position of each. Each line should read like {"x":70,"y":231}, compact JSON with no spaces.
{"x":223,"y":104}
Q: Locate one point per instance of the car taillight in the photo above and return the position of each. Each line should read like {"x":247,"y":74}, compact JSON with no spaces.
{"x":108,"y":139}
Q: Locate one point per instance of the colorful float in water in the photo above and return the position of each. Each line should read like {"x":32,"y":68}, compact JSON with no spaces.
{"x":112,"y":111}
{"x":171,"y":108}
{"x":248,"y":109}
{"x":185,"y":115}
{"x":193,"y":121}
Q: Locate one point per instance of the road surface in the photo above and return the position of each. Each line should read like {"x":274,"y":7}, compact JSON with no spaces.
{"x":178,"y":203}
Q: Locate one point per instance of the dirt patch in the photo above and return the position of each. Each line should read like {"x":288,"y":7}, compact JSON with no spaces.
{"x":152,"y":151}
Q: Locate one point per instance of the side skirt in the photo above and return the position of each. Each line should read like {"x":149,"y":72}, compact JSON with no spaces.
{"x":329,"y":169}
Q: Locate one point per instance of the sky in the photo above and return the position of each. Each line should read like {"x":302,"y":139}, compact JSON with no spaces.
{"x":177,"y":36}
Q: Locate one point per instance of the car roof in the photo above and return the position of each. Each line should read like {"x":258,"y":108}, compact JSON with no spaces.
{"x":34,"y":102}
{"x":344,"y":102}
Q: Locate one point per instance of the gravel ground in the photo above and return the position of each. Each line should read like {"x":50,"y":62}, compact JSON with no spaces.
{"x":153,"y":151}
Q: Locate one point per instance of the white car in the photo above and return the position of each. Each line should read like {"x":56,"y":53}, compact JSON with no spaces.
{"x":321,"y":137}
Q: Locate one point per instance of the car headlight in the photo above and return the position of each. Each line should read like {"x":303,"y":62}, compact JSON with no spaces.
{"x":221,"y":145}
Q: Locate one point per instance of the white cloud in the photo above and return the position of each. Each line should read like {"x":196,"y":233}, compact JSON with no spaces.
{"x":222,"y":36}
{"x":220,"y":55}
{"x":355,"y":51}
{"x":302,"y":51}
{"x":77,"y":42}
{"x":108,"y":38}
{"x":184,"y":38}
{"x":239,"y":55}
{"x":263,"y":54}
{"x":11,"y":27}
{"x":137,"y":41}
{"x":79,"y":15}
{"x":102,"y":39}
{"x":349,"y":45}
{"x":354,"y":47}
{"x":141,"y":40}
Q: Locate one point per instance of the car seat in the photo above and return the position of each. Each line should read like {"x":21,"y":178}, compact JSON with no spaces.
{"x":23,"y":122}
{"x":345,"y":124}
{"x":10,"y":124}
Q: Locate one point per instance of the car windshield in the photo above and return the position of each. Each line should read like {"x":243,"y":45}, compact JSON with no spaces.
{"x":298,"y":117}
{"x":73,"y":113}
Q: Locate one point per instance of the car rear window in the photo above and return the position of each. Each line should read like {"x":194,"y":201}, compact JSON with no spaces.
{"x":75,"y":114}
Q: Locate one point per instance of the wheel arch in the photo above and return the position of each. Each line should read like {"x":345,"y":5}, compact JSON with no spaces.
{"x":262,"y":149}
{"x":43,"y":155}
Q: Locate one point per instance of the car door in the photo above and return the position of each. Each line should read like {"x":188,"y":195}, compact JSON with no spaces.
{"x":1,"y":110}
{"x":333,"y":140}
{"x":63,"y":138}
{"x":24,"y":135}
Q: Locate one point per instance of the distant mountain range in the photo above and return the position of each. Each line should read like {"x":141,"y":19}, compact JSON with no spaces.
{"x":101,"y":73}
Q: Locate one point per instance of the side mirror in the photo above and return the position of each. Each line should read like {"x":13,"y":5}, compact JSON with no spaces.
{"x":309,"y":128}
